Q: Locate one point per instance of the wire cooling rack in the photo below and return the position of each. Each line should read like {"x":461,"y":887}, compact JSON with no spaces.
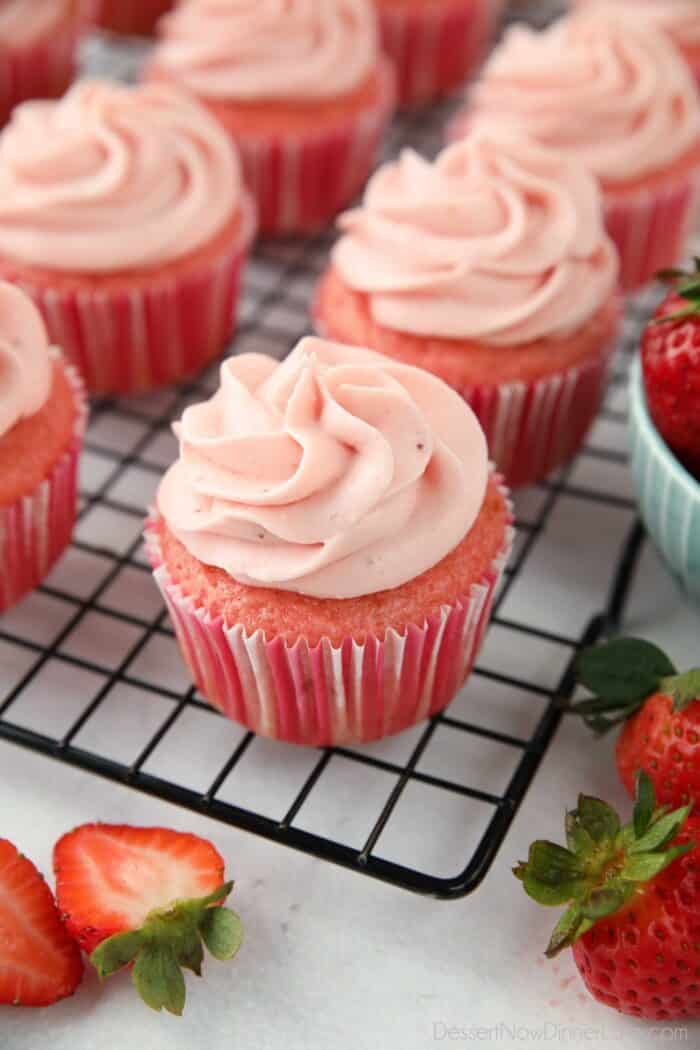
{"x":90,"y":674}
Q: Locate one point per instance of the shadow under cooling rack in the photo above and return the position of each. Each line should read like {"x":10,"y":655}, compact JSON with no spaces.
{"x":90,"y":674}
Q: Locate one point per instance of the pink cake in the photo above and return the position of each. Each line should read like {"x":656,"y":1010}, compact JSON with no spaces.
{"x":329,"y":543}
{"x":489,"y":267}
{"x":615,"y":95}
{"x":42,"y":417}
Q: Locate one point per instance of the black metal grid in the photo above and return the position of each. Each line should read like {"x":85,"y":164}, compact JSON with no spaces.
{"x":103,"y":585}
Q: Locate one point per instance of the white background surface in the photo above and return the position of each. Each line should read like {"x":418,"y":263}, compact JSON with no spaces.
{"x":333,"y":959}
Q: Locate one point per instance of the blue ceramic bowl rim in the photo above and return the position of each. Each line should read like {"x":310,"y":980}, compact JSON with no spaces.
{"x":640,"y":413}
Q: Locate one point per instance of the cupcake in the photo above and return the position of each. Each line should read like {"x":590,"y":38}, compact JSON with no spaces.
{"x":42,"y":418}
{"x":122,"y":214}
{"x":300,"y":87}
{"x":679,"y":19}
{"x":616,"y":96}
{"x":329,"y":543}
{"x":489,"y":267}
{"x":435,"y":44}
{"x":39,"y":43}
{"x":131,"y":17}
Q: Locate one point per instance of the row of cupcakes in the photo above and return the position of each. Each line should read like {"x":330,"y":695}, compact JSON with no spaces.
{"x":434,"y":45}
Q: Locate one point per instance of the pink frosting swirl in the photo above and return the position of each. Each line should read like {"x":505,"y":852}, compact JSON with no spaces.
{"x":337,"y":473}
{"x":22,"y":21}
{"x":499,"y":240}
{"x":247,"y":50}
{"x":679,"y":18}
{"x":25,"y":365}
{"x":111,"y":177}
{"x":604,"y":87}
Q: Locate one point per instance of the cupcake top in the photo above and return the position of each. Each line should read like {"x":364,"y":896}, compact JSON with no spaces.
{"x":22,"y":21}
{"x":250,"y":50}
{"x":499,"y":240}
{"x":679,"y":18}
{"x":111,"y":178}
{"x":336,"y":474}
{"x":603,"y":85}
{"x":25,"y":365}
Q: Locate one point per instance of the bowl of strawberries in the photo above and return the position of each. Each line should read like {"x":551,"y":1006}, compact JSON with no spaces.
{"x":665,"y":428}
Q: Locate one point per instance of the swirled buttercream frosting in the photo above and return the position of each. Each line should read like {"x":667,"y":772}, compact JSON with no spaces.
{"x":25,"y":365}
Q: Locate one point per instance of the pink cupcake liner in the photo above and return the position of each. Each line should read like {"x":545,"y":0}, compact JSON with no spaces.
{"x":533,"y":428}
{"x":136,"y":337}
{"x":435,"y":47}
{"x":300,"y":182}
{"x":40,"y":70}
{"x":36,"y":529}
{"x":330,"y":694}
{"x":651,"y":228}
{"x":128,"y":16}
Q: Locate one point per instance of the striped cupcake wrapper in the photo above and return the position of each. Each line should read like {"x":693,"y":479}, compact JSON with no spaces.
{"x":40,"y":70}
{"x":533,"y":428}
{"x":36,"y":529}
{"x":435,"y":47}
{"x":669,"y":498}
{"x":136,"y":337}
{"x":330,"y":694}
{"x":301,"y":181}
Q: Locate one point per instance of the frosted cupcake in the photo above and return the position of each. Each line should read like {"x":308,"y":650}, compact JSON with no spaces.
{"x":489,"y":267}
{"x":616,"y":96}
{"x":329,"y":543}
{"x":38,"y":55}
{"x":122,"y":214}
{"x":132,"y":17}
{"x":42,"y":418}
{"x":679,"y":19}
{"x":301,"y":88}
{"x":435,"y":45}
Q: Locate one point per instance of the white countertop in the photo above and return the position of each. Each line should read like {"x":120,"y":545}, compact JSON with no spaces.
{"x":334,"y":959}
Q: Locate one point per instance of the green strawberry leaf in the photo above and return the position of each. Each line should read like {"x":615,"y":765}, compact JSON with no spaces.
{"x":158,"y":979}
{"x":625,"y":669}
{"x":645,"y":803}
{"x":598,"y":818}
{"x":684,"y":689}
{"x":661,"y":831}
{"x":605,"y":864}
{"x":222,"y":932}
{"x":647,"y":866}
{"x":116,"y":952}
{"x":602,"y":902}
{"x":566,"y":931}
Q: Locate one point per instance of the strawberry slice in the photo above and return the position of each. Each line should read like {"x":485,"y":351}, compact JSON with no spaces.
{"x":39,"y":963}
{"x":146,"y":896}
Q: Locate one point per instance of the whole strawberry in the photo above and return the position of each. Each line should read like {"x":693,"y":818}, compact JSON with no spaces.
{"x":147,"y":896}
{"x":671,"y":367}
{"x":635,"y":683}
{"x":633,"y":896}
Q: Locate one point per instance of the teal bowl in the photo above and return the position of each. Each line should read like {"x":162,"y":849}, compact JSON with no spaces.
{"x":668,"y":496}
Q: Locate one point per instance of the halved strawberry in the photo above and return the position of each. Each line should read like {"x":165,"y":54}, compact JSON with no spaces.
{"x":39,"y":963}
{"x":147,"y":896}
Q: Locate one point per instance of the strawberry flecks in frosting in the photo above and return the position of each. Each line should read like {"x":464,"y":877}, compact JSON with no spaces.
{"x":604,"y":86}
{"x":22,"y":21}
{"x":25,"y":365}
{"x":337,"y":473}
{"x":498,"y":240}
{"x":679,"y":18}
{"x":249,"y":50}
{"x":111,"y":178}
